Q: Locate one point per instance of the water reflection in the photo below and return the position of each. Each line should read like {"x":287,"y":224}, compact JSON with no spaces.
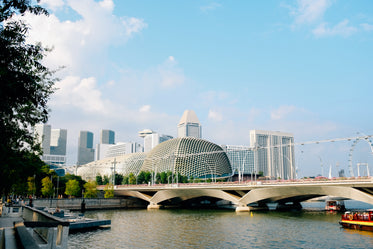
{"x":310,"y":228}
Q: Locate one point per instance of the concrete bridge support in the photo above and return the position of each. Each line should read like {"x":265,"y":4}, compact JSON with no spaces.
{"x":241,"y":207}
{"x":153,"y":205}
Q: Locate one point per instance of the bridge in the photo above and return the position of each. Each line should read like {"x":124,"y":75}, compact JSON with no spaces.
{"x":243,"y":196}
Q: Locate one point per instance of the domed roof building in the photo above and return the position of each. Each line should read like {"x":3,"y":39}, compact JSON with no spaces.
{"x":188,"y":156}
{"x":124,"y":165}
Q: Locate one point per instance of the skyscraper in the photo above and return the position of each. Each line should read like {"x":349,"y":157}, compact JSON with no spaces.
{"x":189,"y":125}
{"x":273,"y":153}
{"x":152,"y":140}
{"x":58,"y":142}
{"x":86,"y":153}
{"x":53,"y":143}
{"x":107,"y":137}
{"x":43,"y":137}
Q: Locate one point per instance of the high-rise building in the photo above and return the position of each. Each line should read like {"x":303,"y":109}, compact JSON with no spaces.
{"x":101,"y":151}
{"x":123,"y":149}
{"x":53,"y":143}
{"x":189,"y":125}
{"x":241,"y":159}
{"x":107,"y":137}
{"x":152,"y":140}
{"x":273,"y":153}
{"x":86,"y":153}
{"x":43,"y":137}
{"x":58,"y":142}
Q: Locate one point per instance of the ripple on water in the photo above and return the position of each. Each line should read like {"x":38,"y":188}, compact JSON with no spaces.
{"x":219,"y":229}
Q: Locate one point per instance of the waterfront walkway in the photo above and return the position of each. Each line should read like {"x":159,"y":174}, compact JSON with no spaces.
{"x":7,"y":231}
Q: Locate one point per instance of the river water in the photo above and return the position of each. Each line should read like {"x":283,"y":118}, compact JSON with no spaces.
{"x":309,"y":228}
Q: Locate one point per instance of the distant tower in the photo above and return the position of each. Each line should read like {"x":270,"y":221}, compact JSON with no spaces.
{"x":107,"y":137}
{"x":152,"y":139}
{"x":53,"y":143}
{"x":43,"y":136}
{"x":85,"y":148}
{"x":274,"y":153}
{"x":106,"y":141}
{"x":58,"y":142}
{"x":189,"y":125}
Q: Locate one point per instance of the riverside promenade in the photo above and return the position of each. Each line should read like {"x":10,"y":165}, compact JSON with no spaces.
{"x":7,"y":231}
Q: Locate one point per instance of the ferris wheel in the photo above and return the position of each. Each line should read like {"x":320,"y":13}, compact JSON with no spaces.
{"x":354,"y":143}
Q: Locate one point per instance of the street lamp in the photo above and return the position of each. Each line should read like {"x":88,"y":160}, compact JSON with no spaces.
{"x":113,"y":168}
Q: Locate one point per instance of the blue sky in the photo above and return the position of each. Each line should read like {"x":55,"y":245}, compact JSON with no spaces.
{"x":303,"y":67}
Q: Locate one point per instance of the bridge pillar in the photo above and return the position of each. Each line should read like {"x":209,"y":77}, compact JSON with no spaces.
{"x":153,"y":205}
{"x":242,"y":208}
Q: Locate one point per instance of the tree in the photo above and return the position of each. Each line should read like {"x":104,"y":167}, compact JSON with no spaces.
{"x":47,"y":189}
{"x":72,"y":188}
{"x":131,"y":179}
{"x":163,"y":177}
{"x":31,"y":185}
{"x":125,"y":180}
{"x":90,"y":189}
{"x":106,"y":180}
{"x":25,"y":88}
{"x":118,"y":179}
{"x":109,"y":191}
{"x":99,"y":180}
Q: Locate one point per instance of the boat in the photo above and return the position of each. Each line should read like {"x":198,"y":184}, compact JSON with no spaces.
{"x":77,"y":221}
{"x":362,"y":220}
{"x":334,"y":205}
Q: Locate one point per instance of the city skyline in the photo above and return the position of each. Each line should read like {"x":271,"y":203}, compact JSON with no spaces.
{"x":302,"y":67}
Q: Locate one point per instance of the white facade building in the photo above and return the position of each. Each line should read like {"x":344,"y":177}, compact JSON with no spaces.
{"x":123,"y":149}
{"x":273,"y":153}
{"x":241,"y":159}
{"x":152,"y":140}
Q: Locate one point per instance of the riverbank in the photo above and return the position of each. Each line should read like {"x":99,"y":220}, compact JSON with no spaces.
{"x":90,"y":203}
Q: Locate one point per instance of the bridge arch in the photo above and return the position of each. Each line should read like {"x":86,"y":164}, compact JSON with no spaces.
{"x":302,"y":193}
{"x":186,"y":194}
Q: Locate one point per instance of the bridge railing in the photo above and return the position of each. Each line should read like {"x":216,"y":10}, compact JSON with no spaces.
{"x":248,"y":182}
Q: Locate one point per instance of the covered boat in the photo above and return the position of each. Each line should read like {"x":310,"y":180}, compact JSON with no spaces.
{"x":362,"y":220}
{"x":334,"y":205}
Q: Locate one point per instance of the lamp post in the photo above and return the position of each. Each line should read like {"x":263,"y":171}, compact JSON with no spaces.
{"x":113,"y":168}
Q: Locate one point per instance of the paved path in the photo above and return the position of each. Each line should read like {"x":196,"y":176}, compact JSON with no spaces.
{"x":7,"y":227}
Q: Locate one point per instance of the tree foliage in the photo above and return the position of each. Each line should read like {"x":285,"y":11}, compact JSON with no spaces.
{"x":99,"y":180}
{"x":72,"y":188}
{"x":47,"y":189}
{"x":109,"y":191}
{"x":90,"y":189}
{"x":25,"y":88}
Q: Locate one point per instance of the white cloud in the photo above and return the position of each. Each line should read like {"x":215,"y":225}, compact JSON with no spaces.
{"x":145,"y":108}
{"x":282,"y":112}
{"x":342,"y":29}
{"x":309,"y":11}
{"x":133,"y":25}
{"x":367,"y":27}
{"x":107,"y":4}
{"x":170,"y":74}
{"x":210,"y":7}
{"x":215,"y":116}
{"x":76,"y":42}
{"x":74,"y":92}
